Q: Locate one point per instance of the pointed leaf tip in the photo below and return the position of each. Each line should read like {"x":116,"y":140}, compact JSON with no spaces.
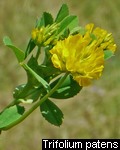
{"x":63,"y":12}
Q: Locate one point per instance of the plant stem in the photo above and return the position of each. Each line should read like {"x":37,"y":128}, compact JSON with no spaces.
{"x":37,"y":104}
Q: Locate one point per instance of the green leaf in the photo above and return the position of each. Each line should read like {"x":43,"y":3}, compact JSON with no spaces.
{"x":108,"y":54}
{"x":51,"y":113}
{"x":69,"y":22}
{"x":30,"y":47}
{"x":26,"y":92}
{"x":68,"y":89}
{"x":39,"y":78}
{"x":45,"y":20}
{"x":47,"y":71}
{"x":10,"y":115}
{"x":17,"y":91}
{"x":33,"y":64}
{"x":18,"y":52}
{"x":63,"y":12}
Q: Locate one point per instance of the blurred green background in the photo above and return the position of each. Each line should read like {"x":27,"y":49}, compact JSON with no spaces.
{"x":93,"y":113}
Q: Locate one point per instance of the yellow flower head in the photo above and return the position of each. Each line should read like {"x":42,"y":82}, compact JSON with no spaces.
{"x":83,"y":55}
{"x":77,"y":55}
{"x":104,"y":39}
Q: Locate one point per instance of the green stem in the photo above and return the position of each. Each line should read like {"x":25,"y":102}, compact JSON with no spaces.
{"x":37,"y":104}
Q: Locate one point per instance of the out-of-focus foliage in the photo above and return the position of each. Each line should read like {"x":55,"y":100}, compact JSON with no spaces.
{"x":96,"y":109}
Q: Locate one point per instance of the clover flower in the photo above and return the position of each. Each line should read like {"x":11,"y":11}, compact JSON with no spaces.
{"x":44,"y":35}
{"x":82,"y":55}
{"x":104,"y":39}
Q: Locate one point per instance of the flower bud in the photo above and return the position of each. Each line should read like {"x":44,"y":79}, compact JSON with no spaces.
{"x":44,"y":35}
